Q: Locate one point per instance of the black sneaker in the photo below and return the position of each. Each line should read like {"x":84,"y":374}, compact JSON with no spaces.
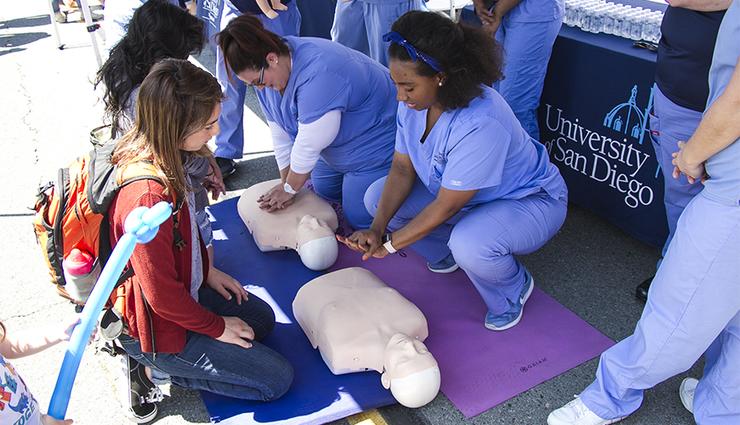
{"x":226,"y":165}
{"x":140,"y":394}
{"x":641,"y":292}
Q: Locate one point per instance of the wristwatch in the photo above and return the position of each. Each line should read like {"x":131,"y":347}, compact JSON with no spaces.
{"x":289,"y":189}
{"x":387,"y":244}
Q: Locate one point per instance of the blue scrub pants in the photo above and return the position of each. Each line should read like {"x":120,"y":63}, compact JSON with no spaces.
{"x":527,"y":47}
{"x":361,"y":25}
{"x":484,"y":239}
{"x":693,"y":308}
{"x":348,"y":28}
{"x":670,"y":123}
{"x":349,"y":188}
{"x":230,"y":140}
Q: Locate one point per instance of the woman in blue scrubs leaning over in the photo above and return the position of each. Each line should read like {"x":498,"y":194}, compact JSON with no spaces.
{"x":331,"y":111}
{"x":468,"y":185}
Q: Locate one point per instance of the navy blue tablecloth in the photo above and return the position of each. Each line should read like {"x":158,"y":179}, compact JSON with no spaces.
{"x":594,"y":121}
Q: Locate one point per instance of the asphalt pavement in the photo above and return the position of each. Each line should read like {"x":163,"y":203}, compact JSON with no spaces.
{"x":47,"y":108}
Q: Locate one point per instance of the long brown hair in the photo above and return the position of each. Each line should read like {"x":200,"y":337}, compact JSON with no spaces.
{"x":175,"y":99}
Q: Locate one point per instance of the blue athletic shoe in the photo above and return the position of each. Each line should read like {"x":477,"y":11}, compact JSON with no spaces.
{"x":445,"y":265}
{"x":514,"y":315}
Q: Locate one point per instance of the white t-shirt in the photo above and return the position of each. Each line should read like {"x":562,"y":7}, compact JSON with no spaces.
{"x":17,"y":405}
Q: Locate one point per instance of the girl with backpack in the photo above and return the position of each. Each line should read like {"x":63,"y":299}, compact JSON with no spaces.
{"x":175,"y":313}
{"x":158,"y":30}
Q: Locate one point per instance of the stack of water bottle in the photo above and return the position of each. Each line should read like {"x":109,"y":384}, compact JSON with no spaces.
{"x":622,"y":20}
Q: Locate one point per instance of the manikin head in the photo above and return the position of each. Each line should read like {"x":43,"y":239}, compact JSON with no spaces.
{"x":411,"y":372}
{"x":316,"y":244}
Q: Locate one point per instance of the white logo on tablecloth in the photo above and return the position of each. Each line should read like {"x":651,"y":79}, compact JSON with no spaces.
{"x":612,"y":158}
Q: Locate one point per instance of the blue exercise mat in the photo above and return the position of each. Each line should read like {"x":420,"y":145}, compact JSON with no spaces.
{"x":316,"y":396}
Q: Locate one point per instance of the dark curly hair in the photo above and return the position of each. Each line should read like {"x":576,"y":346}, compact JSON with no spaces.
{"x":157,"y":30}
{"x":468,"y":57}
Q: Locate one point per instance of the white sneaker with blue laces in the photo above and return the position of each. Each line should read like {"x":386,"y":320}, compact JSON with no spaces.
{"x":577,"y":413}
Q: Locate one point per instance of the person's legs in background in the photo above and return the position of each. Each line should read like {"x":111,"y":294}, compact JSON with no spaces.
{"x":669,"y":124}
{"x":349,"y":26}
{"x":378,"y":21}
{"x":717,"y":396}
{"x":230,"y":139}
{"x":527,"y":47}
{"x":694,"y":299}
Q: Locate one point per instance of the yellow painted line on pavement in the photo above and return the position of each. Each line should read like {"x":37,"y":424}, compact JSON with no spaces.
{"x":371,"y":417}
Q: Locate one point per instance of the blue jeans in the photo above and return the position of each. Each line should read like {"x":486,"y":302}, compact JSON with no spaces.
{"x":257,"y":373}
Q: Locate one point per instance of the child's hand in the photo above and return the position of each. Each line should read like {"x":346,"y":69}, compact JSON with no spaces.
{"x":48,"y":420}
{"x":69,"y":325}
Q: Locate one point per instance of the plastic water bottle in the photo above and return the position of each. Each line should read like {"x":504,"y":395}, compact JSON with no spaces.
{"x":81,"y":271}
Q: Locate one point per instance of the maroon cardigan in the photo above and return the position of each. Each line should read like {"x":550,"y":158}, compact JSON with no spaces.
{"x":157,"y":305}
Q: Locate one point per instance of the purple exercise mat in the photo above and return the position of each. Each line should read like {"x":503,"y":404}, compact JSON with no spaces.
{"x":481,"y":368}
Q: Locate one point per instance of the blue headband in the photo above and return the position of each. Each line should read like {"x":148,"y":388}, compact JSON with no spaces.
{"x":414,"y":54}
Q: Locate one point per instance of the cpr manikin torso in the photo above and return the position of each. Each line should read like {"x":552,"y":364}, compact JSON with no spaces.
{"x":358,"y":323}
{"x":307,"y":226}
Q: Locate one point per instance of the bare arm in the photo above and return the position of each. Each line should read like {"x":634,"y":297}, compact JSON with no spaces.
{"x":25,"y":343}
{"x":447,"y":204}
{"x":398,"y":185}
{"x":491,"y":19}
{"x":718,"y":129}
{"x":702,"y":5}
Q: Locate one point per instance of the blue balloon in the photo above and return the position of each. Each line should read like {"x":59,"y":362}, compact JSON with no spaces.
{"x":141,"y":226}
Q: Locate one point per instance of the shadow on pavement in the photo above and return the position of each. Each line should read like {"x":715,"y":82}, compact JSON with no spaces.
{"x":31,"y":21}
{"x":15,"y":40}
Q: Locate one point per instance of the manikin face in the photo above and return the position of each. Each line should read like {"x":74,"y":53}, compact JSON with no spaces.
{"x":416,"y":91}
{"x":411,"y":372}
{"x":405,"y":355}
{"x":196,"y":140}
{"x":275,"y":75}
{"x":310,"y":228}
{"x":316,"y":243}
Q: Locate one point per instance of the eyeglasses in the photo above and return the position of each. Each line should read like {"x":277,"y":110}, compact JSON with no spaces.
{"x":414,"y":54}
{"x":260,"y":80}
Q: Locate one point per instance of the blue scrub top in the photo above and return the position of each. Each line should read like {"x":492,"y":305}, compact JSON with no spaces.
{"x":327,"y":76}
{"x":537,"y":11}
{"x":480,"y":147}
{"x":723,"y":169}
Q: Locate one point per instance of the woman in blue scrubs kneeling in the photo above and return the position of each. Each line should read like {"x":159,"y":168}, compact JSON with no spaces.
{"x":468,"y":185}
{"x":331,"y":112}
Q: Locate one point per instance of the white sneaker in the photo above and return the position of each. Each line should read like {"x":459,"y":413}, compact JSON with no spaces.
{"x":576,"y":413}
{"x":686,"y":392}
